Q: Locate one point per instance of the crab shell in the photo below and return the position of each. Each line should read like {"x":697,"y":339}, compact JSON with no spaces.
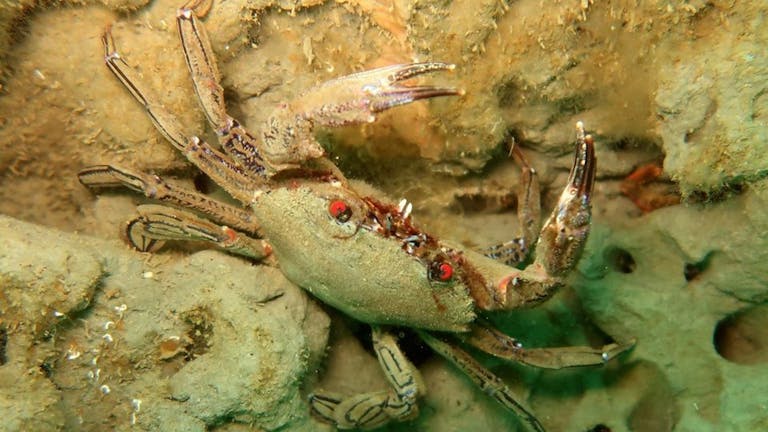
{"x":367,"y":275}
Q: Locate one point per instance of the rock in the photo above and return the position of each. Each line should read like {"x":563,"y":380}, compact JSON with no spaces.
{"x":686,"y":281}
{"x":126,"y":343}
{"x":676,"y":82}
{"x":713,"y":115}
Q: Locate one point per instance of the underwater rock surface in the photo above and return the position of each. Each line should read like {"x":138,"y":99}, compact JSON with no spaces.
{"x":676,"y":285}
{"x":202,"y":338}
{"x":97,"y":336}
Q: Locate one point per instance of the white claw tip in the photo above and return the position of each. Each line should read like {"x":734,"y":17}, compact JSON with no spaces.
{"x":371,"y":119}
{"x":461,"y":92}
{"x":450,"y":66}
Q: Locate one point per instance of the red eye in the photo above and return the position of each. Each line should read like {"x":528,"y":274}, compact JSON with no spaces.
{"x":441,"y":271}
{"x":340,"y":210}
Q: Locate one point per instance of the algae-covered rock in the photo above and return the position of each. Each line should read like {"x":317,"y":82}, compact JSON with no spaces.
{"x":45,"y":290}
{"x":674,"y":284}
{"x":97,"y":337}
{"x":712,"y":103}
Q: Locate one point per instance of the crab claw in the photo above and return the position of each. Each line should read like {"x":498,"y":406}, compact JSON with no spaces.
{"x":357,"y":98}
{"x":564,"y":234}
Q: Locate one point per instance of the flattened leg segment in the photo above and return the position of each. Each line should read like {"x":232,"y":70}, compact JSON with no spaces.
{"x":202,"y":65}
{"x":154,"y":187}
{"x":219,"y":166}
{"x":203,"y":69}
{"x":496,"y":343}
{"x":491,"y":385}
{"x":375,"y":409}
{"x":165,"y":122}
{"x":156,"y":224}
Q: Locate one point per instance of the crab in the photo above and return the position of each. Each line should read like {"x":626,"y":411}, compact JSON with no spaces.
{"x":355,"y":253}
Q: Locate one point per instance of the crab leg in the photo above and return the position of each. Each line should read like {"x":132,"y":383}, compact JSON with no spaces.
{"x":516,"y":250}
{"x":375,"y":409}
{"x":559,"y":246}
{"x":287,"y":139}
{"x":485,"y":379}
{"x":155,"y":187}
{"x":494,"y":342}
{"x":158,"y":223}
{"x":351,"y":99}
{"x":223,"y":170}
{"x":164,"y":121}
{"x":201,"y":63}
{"x":234,"y":139}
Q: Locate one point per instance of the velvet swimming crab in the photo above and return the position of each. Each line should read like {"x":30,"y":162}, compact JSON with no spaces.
{"x":353,"y":252}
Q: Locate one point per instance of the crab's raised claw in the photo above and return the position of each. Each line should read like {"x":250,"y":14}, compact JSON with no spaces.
{"x":288,"y":139}
{"x":357,"y":98}
{"x":564,"y":234}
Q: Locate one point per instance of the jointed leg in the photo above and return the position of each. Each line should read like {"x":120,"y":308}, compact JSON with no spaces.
{"x":564,"y":234}
{"x":516,"y":250}
{"x":287,"y":138}
{"x":234,"y":139}
{"x":156,"y":224}
{"x":223,"y":170}
{"x":562,"y":238}
{"x":494,"y":342}
{"x":164,"y":121}
{"x":155,"y":187}
{"x":485,"y":379}
{"x":375,"y":409}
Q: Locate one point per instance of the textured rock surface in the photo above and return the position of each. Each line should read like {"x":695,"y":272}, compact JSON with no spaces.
{"x":96,"y":337}
{"x":686,"y":280}
{"x":713,"y":115}
{"x":682,"y":82}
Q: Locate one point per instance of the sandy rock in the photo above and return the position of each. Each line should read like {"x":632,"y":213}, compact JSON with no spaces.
{"x":712,"y":114}
{"x":117,"y":341}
